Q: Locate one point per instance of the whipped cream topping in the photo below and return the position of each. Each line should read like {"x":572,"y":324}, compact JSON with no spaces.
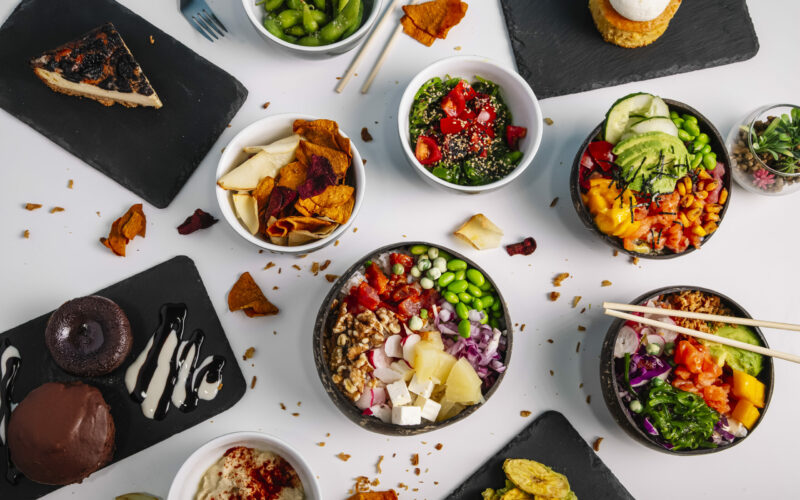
{"x":640,"y":10}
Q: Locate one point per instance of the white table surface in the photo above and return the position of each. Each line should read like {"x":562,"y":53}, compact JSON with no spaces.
{"x":753,"y":259}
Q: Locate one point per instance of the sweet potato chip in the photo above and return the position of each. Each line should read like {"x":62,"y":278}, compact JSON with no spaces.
{"x":292,"y":175}
{"x":323,"y":133}
{"x":434,"y":19}
{"x":247,"y":296}
{"x":416,"y":33}
{"x":340,"y":213}
{"x":480,"y":232}
{"x":263,"y":191}
{"x":339,"y":161}
{"x":333,"y":196}
{"x":282,"y":227}
{"x":306,"y":207}
{"x":124,"y":229}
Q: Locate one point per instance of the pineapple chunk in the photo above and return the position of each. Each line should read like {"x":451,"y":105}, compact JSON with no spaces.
{"x":449,"y":409}
{"x":430,"y":362}
{"x":463,"y":384}
{"x":434,"y":338}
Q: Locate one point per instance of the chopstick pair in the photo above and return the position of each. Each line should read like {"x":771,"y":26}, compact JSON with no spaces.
{"x":390,"y":10}
{"x":615,"y":309}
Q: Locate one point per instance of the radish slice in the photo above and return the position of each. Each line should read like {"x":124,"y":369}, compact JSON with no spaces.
{"x":392,"y":346}
{"x":365,"y":401}
{"x":387,"y":375}
{"x":627,"y":342}
{"x":655,"y":338}
{"x":408,"y":346}
{"x":378,"y":358}
{"x":382,"y":412}
{"x":378,"y":396}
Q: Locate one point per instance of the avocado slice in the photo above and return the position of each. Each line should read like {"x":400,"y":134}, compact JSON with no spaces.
{"x":652,"y":161}
{"x":746,"y":361}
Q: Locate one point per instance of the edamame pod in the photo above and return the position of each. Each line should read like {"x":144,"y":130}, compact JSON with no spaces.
{"x":333,"y":31}
{"x":309,"y":24}
{"x":296,"y":30}
{"x":295,"y":4}
{"x":289,"y":18}
{"x":475,"y":276}
{"x":271,"y":5}
{"x":320,"y":4}
{"x":456,"y":265}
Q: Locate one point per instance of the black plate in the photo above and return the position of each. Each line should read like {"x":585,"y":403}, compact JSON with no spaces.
{"x":140,"y":296}
{"x":551,"y":440}
{"x":717,"y":146}
{"x":324,"y":324}
{"x":559,"y":51}
{"x":611,"y":390}
{"x":151,"y":152}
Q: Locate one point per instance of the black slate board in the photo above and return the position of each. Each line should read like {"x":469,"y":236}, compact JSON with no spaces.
{"x":559,"y":51}
{"x":551,"y":440}
{"x":150,"y":152}
{"x":140,"y":296}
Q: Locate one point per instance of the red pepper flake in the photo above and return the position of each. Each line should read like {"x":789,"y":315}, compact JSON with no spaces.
{"x":596,"y":444}
{"x":365,"y":135}
{"x":524,"y":247}
{"x":198,"y":220}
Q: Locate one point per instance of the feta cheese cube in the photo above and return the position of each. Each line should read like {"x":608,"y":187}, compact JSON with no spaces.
{"x":382,"y":412}
{"x":419,"y":387}
{"x":406,"y":415}
{"x":429,"y":409}
{"x":398,"y":393}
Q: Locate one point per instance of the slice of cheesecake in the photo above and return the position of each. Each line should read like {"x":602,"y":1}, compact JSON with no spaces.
{"x":98,"y":65}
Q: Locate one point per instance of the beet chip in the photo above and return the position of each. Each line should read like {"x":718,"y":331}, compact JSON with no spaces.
{"x":198,"y":220}
{"x":280,"y":198}
{"x":320,"y":175}
{"x":524,"y":247}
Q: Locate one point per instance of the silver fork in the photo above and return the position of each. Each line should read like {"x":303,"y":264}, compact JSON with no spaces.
{"x":203,"y":19}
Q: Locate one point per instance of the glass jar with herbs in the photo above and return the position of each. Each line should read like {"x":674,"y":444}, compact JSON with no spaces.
{"x":765,"y":150}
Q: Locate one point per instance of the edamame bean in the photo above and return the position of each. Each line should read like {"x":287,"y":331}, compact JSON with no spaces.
{"x":426,"y":283}
{"x":450,"y":297}
{"x":702,"y":138}
{"x":684,"y":135}
{"x":698,"y":158}
{"x":691,"y":127}
{"x":456,"y":265}
{"x":674,"y":115}
{"x":464,"y":327}
{"x":415,"y":323}
{"x":697,"y":147}
{"x":423,"y":313}
{"x":465,"y":297}
{"x":289,"y":18}
{"x":434,"y":273}
{"x":710,"y":161}
{"x":477,"y":304}
{"x":486,"y":286}
{"x":462,"y":311}
{"x":475,"y":277}
{"x":415,"y":272}
{"x":440,"y":263}
{"x":484,"y":318}
{"x":487,"y":301}
{"x":678,"y":122}
{"x":458,"y":286}
{"x":271,"y":5}
{"x":433,"y":252}
{"x":461,"y":274}
{"x":690,"y":118}
{"x":446,"y":278}
{"x":494,"y":323}
{"x":474,"y":290}
{"x":423,"y":264}
{"x":398,"y":269}
{"x":706,"y":149}
{"x":418,"y":249}
{"x":496,"y":306}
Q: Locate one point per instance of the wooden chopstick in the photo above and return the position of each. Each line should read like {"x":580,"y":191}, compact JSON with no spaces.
{"x":384,"y":54}
{"x":705,"y":336}
{"x":701,"y":316}
{"x":363,"y":51}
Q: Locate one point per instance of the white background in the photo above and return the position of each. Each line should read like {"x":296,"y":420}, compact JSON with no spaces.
{"x":753,"y":259}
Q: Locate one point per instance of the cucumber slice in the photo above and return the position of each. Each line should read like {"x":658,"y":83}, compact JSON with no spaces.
{"x":620,"y":113}
{"x":657,"y":108}
{"x":654,"y":124}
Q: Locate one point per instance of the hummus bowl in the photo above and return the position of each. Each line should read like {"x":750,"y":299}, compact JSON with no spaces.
{"x":187,"y":480}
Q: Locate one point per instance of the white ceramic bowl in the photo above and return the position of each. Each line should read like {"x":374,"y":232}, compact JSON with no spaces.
{"x":516,"y":93}
{"x":255,"y":13}
{"x":264,"y":131}
{"x":184,"y":486}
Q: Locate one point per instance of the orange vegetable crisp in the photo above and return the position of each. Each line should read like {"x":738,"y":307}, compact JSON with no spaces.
{"x":124,"y":229}
{"x":428,"y":21}
{"x":248,"y":297}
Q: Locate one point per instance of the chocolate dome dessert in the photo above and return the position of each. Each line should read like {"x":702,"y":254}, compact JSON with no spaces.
{"x":89,"y":336}
{"x":60,"y":433}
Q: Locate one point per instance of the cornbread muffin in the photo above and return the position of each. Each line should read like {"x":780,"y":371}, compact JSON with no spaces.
{"x":624,"y":32}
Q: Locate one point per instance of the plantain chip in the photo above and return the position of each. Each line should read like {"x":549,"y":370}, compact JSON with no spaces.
{"x":535,"y":478}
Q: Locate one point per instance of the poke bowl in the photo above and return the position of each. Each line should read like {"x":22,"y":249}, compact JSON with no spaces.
{"x":272,"y":178}
{"x":269,"y":20}
{"x":413,"y":337}
{"x":648,"y":187}
{"x":469,"y":125}
{"x":192,"y":476}
{"x":680,"y":395}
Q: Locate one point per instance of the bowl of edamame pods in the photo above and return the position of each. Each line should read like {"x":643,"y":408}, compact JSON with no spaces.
{"x":653,"y":180}
{"x":413,"y":337}
{"x":313,"y":28}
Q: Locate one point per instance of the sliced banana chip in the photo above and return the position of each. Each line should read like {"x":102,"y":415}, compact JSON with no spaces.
{"x":516,"y":494}
{"x":536,"y":479}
